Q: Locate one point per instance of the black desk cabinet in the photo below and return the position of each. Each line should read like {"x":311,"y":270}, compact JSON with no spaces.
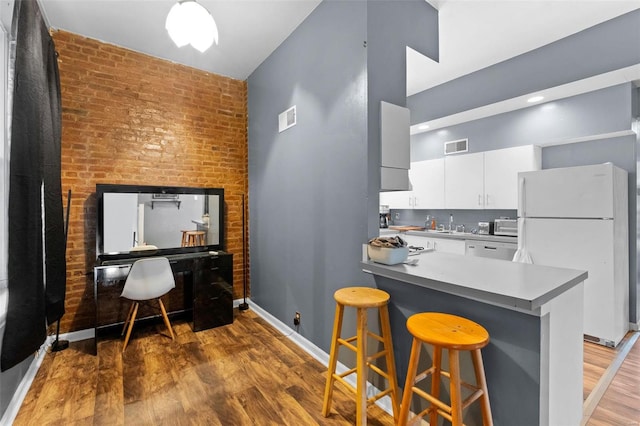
{"x":204,"y":290}
{"x":212,"y":292}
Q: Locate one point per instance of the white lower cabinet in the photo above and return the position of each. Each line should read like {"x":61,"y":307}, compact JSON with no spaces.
{"x":444,"y":245}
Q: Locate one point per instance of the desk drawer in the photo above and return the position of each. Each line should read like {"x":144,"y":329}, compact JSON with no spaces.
{"x":213,"y":293}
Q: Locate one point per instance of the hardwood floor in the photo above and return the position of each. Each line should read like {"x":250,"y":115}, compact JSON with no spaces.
{"x":246,"y":373}
{"x":620,"y":403}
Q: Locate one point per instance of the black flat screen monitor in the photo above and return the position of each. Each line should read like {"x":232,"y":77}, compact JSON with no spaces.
{"x":131,"y":217}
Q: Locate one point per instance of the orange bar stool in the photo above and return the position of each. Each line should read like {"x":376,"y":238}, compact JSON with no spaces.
{"x":362,"y":298}
{"x":454,"y":333}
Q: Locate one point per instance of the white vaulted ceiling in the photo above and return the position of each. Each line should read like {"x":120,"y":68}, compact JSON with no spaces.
{"x":473,"y":33}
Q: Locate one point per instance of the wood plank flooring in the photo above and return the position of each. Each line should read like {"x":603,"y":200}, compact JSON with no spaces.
{"x":246,"y":373}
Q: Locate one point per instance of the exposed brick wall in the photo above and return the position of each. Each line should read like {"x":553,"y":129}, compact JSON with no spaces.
{"x":129,"y":118}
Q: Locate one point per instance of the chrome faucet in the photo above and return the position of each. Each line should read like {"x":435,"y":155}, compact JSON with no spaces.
{"x":450,"y":222}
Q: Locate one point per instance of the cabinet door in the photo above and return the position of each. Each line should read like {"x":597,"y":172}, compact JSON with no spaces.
{"x":446,"y":245}
{"x":213,"y":292}
{"x":397,"y":199}
{"x":501,"y":169}
{"x":464,"y":181}
{"x":427,"y":178}
{"x":394,"y":135}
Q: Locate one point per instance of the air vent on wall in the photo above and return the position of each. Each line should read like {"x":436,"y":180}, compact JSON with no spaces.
{"x":454,"y":147}
{"x":287,"y":119}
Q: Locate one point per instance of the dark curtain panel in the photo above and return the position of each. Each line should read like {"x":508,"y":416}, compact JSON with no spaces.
{"x":34,"y":171}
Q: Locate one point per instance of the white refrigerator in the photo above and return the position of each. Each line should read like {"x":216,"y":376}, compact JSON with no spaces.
{"x":577,"y":218}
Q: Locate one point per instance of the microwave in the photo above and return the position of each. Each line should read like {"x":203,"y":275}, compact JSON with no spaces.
{"x":508,"y":227}
{"x":485,"y":228}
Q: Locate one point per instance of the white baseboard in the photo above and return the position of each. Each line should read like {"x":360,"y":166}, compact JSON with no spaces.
{"x":317,"y":353}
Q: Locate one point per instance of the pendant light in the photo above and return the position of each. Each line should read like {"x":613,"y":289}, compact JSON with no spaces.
{"x":189,"y":22}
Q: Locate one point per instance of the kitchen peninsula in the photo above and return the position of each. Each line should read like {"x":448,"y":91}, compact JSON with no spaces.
{"x":534,"y":315}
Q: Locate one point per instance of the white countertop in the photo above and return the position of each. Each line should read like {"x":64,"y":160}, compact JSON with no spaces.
{"x":509,"y":284}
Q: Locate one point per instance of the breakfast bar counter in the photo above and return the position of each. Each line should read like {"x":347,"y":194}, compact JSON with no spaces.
{"x":534,"y":315}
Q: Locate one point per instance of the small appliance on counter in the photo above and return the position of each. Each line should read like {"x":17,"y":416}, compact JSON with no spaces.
{"x":506,"y":227}
{"x":384,"y":216}
{"x":485,"y":228}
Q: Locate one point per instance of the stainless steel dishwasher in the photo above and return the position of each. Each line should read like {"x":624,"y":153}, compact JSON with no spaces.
{"x":492,"y":249}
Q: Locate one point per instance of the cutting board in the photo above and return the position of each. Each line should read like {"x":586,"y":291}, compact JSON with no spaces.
{"x":407,"y":228}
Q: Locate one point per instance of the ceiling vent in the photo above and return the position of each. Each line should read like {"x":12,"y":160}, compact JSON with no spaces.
{"x":455,"y":147}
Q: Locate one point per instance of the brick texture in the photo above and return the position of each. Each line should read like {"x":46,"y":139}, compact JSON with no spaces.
{"x":129,"y":118}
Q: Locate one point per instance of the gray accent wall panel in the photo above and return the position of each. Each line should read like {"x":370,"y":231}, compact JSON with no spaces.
{"x":308,"y":185}
{"x":606,"y":47}
{"x":511,"y":348}
{"x":391,"y":26}
{"x":594,"y":113}
{"x":313,"y":189}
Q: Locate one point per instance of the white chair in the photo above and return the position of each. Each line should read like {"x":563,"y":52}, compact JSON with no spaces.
{"x":148,"y":279}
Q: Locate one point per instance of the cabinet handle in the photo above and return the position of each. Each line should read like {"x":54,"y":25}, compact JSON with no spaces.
{"x":479,"y":199}
{"x":415,"y":201}
{"x":487,"y":202}
{"x":434,"y":245}
{"x":410,"y":204}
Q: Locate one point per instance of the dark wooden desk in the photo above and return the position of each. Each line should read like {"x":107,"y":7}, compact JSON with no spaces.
{"x":203,"y":293}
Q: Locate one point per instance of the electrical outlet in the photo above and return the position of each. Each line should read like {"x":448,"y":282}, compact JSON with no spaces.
{"x":296,"y":319}
{"x":397,"y":215}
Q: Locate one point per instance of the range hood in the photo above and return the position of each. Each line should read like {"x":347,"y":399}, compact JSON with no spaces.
{"x":395,"y":150}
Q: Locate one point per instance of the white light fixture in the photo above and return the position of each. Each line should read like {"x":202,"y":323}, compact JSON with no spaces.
{"x":423,"y":127}
{"x":535,"y":99}
{"x":190,"y":23}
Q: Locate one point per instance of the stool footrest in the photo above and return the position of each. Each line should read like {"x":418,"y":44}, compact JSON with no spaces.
{"x":347,"y":344}
{"x":375,"y":336}
{"x":379,"y":371}
{"x":344,"y":382}
{"x":435,"y":401}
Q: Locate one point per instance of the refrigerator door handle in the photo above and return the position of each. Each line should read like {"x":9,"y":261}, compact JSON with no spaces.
{"x":521,"y":202}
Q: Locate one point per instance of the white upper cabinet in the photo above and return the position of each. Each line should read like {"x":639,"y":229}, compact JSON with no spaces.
{"x":501,"y":168}
{"x":427,"y":178}
{"x":427,"y":181}
{"x":483,"y":180}
{"x":488,"y":180}
{"x":464,"y":181}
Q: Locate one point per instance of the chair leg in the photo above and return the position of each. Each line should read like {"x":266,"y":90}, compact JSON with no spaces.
{"x":124,"y":327}
{"x":455,"y":390}
{"x":333,"y":360}
{"x":407,"y":392}
{"x":481,"y":382}
{"x":166,"y":319}
{"x":131,"y":321}
{"x":361,"y":368}
{"x":391,"y":362}
{"x":435,"y":383}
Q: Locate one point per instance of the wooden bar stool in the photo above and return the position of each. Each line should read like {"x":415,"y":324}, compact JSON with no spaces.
{"x":454,"y":333}
{"x":195,"y":238}
{"x":362,"y":298}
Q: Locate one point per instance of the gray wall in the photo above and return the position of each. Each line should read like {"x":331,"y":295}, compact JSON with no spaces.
{"x":308,"y":185}
{"x":313,"y":189}
{"x":609,"y":46}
